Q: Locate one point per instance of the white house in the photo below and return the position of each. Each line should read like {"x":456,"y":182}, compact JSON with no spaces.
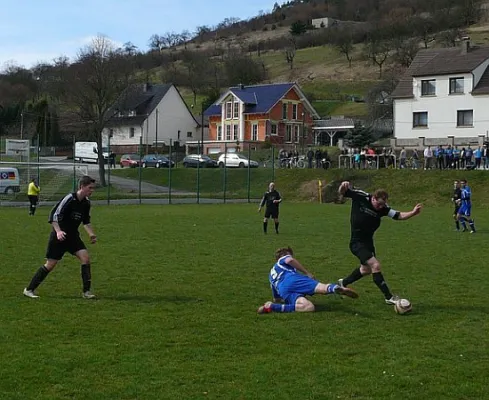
{"x":324,"y":22}
{"x":443,"y":98}
{"x":153,"y":114}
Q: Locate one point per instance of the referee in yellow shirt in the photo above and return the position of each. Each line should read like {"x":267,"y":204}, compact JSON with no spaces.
{"x":33,"y":195}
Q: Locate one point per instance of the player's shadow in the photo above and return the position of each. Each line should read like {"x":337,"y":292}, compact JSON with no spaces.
{"x":339,"y":308}
{"x":147,"y":299}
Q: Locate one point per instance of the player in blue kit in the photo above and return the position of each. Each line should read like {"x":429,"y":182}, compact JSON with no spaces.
{"x":290,"y":287}
{"x":464,"y":212}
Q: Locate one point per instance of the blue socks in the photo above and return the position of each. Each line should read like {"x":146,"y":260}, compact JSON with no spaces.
{"x":282,"y":307}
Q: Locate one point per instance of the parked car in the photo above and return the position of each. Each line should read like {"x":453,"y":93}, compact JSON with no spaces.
{"x":157,"y":161}
{"x":130,"y":160}
{"x":194,"y":160}
{"x":235,"y":160}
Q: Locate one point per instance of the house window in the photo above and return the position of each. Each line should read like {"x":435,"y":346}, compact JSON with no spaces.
{"x":254,"y":132}
{"x":228,"y":132}
{"x":189,"y":134}
{"x":131,"y":132}
{"x":229,"y":107}
{"x":284,"y":111}
{"x":219,"y":132}
{"x":273,"y":129}
{"x":294,"y":111}
{"x":465,"y":118}
{"x":111,"y":133}
{"x":235,"y":132}
{"x":297,"y":133}
{"x":236,"y":110}
{"x":420,"y":119}
{"x":456,"y":85}
{"x":288,"y":134}
{"x":132,"y":113}
{"x":428,"y":87}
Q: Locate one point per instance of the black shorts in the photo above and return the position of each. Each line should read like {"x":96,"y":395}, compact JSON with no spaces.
{"x":271,"y":213}
{"x":57,"y":249}
{"x":363,"y":250}
{"x":33,"y":199}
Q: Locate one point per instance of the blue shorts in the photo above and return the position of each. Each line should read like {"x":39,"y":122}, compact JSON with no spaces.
{"x":294,"y":286}
{"x":465,"y":210}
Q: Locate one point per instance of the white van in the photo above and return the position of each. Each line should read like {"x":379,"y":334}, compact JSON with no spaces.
{"x":86,"y":152}
{"x":9,"y":180}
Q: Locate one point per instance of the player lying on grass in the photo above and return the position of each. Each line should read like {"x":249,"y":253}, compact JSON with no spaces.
{"x":290,"y":287}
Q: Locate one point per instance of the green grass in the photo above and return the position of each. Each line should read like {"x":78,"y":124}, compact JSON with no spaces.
{"x":178,"y":287}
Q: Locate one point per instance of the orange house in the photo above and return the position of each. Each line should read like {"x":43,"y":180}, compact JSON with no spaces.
{"x":276,"y":113}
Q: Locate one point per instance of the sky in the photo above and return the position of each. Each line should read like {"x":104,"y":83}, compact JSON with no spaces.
{"x":33,"y":31}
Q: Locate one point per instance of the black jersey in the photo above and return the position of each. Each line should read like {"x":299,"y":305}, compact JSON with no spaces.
{"x":457,"y":195}
{"x":70,"y":212}
{"x":365,"y":219}
{"x":269,"y":198}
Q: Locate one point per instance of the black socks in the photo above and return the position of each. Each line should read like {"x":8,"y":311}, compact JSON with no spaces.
{"x":38,"y":277}
{"x":86,"y":277}
{"x":353,"y":277}
{"x":380,"y":282}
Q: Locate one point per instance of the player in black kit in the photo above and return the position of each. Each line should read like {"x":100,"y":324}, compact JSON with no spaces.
{"x":456,"y":199}
{"x":272,"y":200}
{"x":366,"y":212}
{"x":65,"y":218}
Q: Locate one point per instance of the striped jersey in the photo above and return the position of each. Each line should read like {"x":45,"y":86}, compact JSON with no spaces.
{"x":70,"y":212}
{"x":280,"y":270}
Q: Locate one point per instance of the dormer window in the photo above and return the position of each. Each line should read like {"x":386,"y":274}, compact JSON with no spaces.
{"x":120,"y":114}
{"x":229,"y":109}
{"x":456,"y":85}
{"x":132,"y":113}
{"x":428,"y":87}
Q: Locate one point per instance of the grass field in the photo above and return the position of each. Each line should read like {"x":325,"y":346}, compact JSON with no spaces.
{"x":176,"y":318}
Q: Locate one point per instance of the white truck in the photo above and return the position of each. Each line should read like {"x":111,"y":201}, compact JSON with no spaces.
{"x":87,"y":152}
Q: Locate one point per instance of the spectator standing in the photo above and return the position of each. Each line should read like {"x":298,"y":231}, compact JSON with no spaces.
{"x":310,"y":156}
{"x":402,"y":158}
{"x":478,"y":157}
{"x":317,"y":156}
{"x":456,"y":157}
{"x":428,"y":155}
{"x":415,"y":159}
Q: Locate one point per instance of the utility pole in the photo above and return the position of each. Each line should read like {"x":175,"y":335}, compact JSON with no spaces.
{"x":22,"y":125}
{"x":156,"y":128}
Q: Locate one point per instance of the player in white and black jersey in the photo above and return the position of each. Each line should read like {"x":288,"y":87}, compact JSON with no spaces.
{"x":65,"y":219}
{"x":366,"y":213}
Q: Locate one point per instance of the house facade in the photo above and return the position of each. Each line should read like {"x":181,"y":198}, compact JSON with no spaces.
{"x":154,"y":115}
{"x":443,"y":98}
{"x":278,"y":114}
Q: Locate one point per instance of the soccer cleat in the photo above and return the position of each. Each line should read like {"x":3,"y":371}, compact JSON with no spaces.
{"x":30,"y":294}
{"x":265,"y":308}
{"x":393,"y":300}
{"x":340,"y":283}
{"x":88,"y":295}
{"x":472,"y":231}
{"x":344,"y":291}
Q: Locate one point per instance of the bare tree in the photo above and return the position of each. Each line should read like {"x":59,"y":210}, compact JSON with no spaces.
{"x":156,"y":43}
{"x":93,"y":84}
{"x":378,"y":51}
{"x":195,"y":65}
{"x":343,"y":41}
{"x":185,"y":36}
{"x":290,"y":52}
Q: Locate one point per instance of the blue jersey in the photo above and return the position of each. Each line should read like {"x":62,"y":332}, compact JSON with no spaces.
{"x":466,"y":196}
{"x":280,"y":270}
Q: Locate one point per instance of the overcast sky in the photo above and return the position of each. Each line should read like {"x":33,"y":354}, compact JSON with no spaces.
{"x":41,"y":30}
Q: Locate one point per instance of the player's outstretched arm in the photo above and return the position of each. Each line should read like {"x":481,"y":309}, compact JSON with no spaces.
{"x":409,"y":214}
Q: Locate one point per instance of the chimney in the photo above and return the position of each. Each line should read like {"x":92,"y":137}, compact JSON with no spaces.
{"x":146,"y":87}
{"x":465,"y":45}
{"x":241,"y":86}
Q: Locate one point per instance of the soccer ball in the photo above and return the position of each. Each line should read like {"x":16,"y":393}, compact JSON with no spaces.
{"x":403,"y":306}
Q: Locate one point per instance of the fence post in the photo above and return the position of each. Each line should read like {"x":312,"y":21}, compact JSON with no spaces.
{"x":108,"y":172}
{"x":249,"y":171}
{"x":169,"y":174}
{"x":225,"y":172}
{"x":74,"y":167}
{"x":38,"y":160}
{"x":198,"y":170}
{"x":273,"y":163}
{"x":140,"y":166}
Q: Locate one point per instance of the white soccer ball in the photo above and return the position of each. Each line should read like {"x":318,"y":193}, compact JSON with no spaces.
{"x":403,"y":306}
